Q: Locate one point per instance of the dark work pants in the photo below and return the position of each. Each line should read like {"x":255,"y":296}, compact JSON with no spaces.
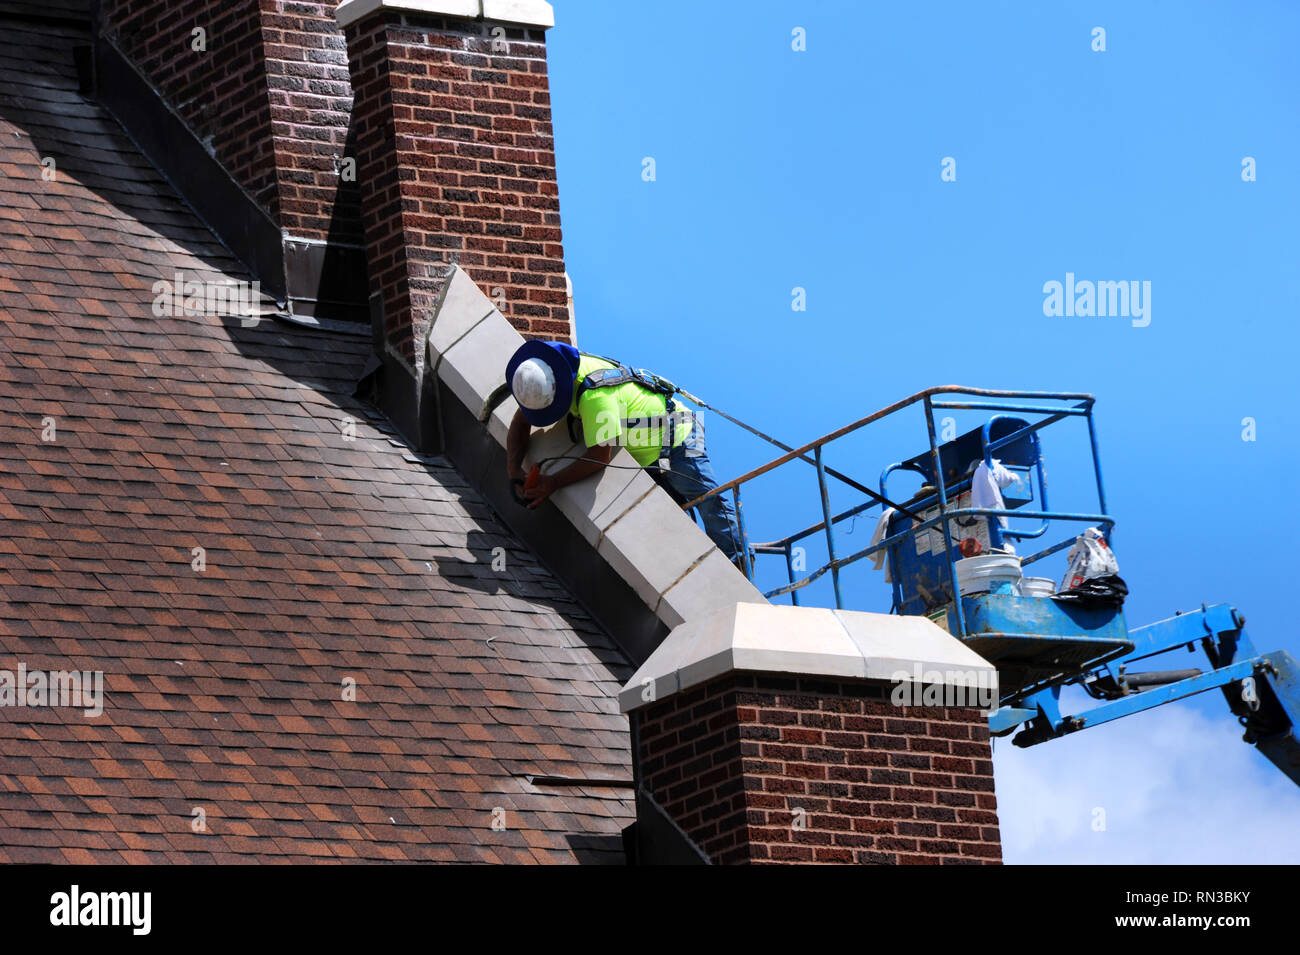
{"x":689,"y":475}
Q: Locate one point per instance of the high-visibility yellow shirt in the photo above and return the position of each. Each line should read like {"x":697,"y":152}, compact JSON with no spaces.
{"x":629,"y":415}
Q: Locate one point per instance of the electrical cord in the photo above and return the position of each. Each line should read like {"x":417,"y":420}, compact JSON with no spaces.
{"x":857,"y":486}
{"x":516,"y":484}
{"x":669,"y":388}
{"x":625,"y":467}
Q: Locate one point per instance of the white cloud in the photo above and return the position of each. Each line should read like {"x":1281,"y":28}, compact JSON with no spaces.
{"x":1176,"y":786}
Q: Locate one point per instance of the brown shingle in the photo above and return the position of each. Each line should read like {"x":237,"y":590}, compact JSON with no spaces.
{"x":326,"y":560}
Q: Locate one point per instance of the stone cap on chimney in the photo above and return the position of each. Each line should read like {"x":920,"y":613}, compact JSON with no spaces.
{"x":533,"y":13}
{"x":805,"y":641}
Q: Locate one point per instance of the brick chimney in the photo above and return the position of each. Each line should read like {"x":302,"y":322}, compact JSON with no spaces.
{"x":264,"y":89}
{"x":772,"y":734}
{"x":456,"y":164}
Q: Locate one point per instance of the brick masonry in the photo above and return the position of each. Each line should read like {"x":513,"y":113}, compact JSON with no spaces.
{"x":453,"y":143}
{"x":219,"y":92}
{"x":457,"y":164}
{"x":270,"y":96}
{"x":733,"y":760}
{"x":310,"y":92}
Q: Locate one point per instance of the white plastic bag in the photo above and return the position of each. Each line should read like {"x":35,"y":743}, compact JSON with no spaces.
{"x":880,"y":559}
{"x":987,"y":483}
{"x":1090,"y":557}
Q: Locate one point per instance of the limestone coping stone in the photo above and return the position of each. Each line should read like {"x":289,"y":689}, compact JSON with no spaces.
{"x":805,"y":641}
{"x":533,"y":13}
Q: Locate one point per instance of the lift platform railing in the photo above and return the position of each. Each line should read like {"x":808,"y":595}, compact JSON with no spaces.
{"x":1055,"y":406}
{"x":1262,"y":690}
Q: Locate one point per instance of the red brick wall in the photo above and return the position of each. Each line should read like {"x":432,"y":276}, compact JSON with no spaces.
{"x":221,"y":92}
{"x":271,"y":96}
{"x":732,"y":760}
{"x":457,"y":163}
{"x":454,"y":151}
{"x":310,"y":92}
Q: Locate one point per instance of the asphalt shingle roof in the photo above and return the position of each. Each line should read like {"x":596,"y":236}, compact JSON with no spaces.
{"x":326,"y":560}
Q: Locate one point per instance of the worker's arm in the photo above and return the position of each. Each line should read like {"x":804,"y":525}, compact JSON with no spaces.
{"x":517,"y":445}
{"x":591,"y":461}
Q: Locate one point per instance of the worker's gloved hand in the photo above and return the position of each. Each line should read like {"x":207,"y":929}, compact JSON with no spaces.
{"x":536,"y":493}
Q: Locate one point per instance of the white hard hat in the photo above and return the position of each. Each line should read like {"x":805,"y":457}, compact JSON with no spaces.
{"x":533,"y":384}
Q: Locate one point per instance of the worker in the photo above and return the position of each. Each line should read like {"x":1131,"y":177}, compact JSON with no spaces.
{"x":617,"y":407}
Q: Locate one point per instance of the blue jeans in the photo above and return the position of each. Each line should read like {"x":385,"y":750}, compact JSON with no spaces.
{"x":690,"y":474}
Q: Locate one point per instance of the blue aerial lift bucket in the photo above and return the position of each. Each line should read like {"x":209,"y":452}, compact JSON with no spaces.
{"x":1030,"y":639}
{"x":1039,"y":643}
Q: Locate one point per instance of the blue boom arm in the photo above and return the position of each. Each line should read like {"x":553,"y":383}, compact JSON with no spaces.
{"x":1261,"y":689}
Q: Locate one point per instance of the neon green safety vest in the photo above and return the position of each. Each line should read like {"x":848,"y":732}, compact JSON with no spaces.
{"x":630,"y":414}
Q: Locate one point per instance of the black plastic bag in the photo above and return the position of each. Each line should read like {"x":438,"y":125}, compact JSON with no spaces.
{"x":1108,"y":590}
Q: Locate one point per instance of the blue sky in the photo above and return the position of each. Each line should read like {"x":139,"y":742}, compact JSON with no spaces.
{"x":820,"y":169}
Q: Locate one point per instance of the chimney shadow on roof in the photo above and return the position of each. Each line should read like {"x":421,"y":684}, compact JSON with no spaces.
{"x":340,"y":281}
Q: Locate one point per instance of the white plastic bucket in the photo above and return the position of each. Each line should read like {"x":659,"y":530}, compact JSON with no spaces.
{"x":979,"y":575}
{"x":1037,"y":586}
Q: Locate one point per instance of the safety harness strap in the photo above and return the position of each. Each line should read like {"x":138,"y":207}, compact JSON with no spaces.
{"x":621,"y":374}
